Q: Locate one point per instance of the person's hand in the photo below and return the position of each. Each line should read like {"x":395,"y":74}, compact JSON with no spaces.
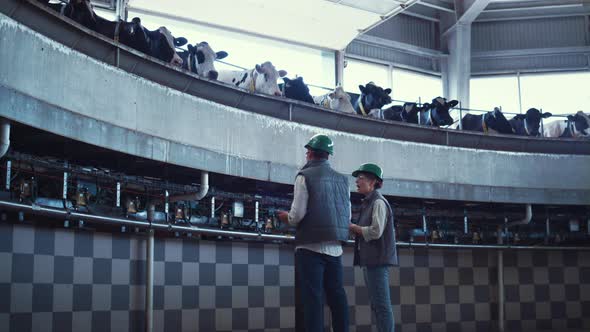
{"x":355,"y":229}
{"x":283,"y":216}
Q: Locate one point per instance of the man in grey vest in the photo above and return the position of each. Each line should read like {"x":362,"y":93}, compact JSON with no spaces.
{"x":321,"y":213}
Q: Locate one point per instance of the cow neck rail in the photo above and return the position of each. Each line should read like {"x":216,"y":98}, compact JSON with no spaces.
{"x":76,"y":37}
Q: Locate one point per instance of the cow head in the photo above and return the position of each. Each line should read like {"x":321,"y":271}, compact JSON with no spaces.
{"x":496,"y":121}
{"x":265,"y":80}
{"x":528,"y":124}
{"x":296,"y":89}
{"x":81,"y":11}
{"x":202,"y":60}
{"x":372,"y":97}
{"x":167,"y":46}
{"x":581,"y":123}
{"x":340,"y":100}
{"x":437,"y":113}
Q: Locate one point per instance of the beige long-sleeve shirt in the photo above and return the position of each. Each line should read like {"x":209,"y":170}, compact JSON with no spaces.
{"x":378,"y":219}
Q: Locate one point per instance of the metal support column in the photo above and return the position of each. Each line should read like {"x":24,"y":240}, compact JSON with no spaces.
{"x":149,"y":283}
{"x":500,"y":282}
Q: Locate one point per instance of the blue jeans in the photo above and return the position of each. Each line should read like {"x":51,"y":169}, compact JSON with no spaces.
{"x":318,"y":273}
{"x":377,"y":281}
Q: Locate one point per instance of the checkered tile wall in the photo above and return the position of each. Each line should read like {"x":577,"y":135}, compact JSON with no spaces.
{"x":79,"y":280}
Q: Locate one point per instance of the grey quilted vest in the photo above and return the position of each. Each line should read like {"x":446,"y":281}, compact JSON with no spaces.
{"x":381,"y":251}
{"x":328,"y":206}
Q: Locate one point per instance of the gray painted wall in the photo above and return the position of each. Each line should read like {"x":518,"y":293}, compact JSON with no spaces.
{"x":89,"y":101}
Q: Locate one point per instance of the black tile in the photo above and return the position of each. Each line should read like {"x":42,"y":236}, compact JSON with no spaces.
{"x":136,"y":320}
{"x":540,"y":259}
{"x":395,"y":297}
{"x":351,"y":315}
{"x":437,"y":313}
{"x":207,"y":274}
{"x":510,"y":259}
{"x":362,"y":296}
{"x":4,"y":298}
{"x":585,"y":308}
{"x":256,"y":253}
{"x":480,"y":258}
{"x":437,"y":276}
{"x":544,"y":324}
{"x":541,"y":293}
{"x":348,"y":275}
{"x":406,"y":276}
{"x":22,"y":268}
{"x":421,"y":257}
{"x":408,"y":314}
{"x":62,"y":321}
{"x":482,"y":294}
{"x":42,"y":297}
{"x":467,"y":312}
{"x":223,"y":297}
{"x":137,"y":272}
{"x":172,"y":320}
{"x":5,"y":237}
{"x":556,"y":275}
{"x":207,"y":320}
{"x":452,"y":294}
{"x":513,"y":326}
{"x":525,"y":275}
{"x":159,"y":250}
{"x":493,"y":275}
{"x":423,"y":327}
{"x":585,"y":275}
{"x":271,"y":275}
{"x":511,"y":293}
{"x":44,"y":241}
{"x":120,"y":297}
{"x":121,"y":247}
{"x":572,"y":292}
{"x":101,"y":271}
{"x":465,"y":276}
{"x":450,"y":258}
{"x":21,"y":322}
{"x":272,"y":318}
{"x":173,"y":273}
{"x":239,"y":274}
{"x":159,"y":297}
{"x":575,"y":323}
{"x":83,"y":244}
{"x":101,"y":321}
{"x":287,"y":296}
{"x":190,"y":297}
{"x":190,"y":251}
{"x":422,"y":294}
{"x":558,"y":310}
{"x":82,"y":297}
{"x":239,"y":319}
{"x":256,"y":296}
{"x":223,"y":253}
{"x":286,"y":256}
{"x":63,"y":271}
{"x":528,"y":311}
{"x":570,"y":258}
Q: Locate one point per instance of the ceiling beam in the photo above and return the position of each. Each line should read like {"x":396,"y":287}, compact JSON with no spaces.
{"x":443,"y":6}
{"x":466,"y":12}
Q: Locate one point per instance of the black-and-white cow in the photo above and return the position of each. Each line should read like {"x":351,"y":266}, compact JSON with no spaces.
{"x":262,"y":78}
{"x":491,"y":122}
{"x":200,"y":59}
{"x":296,"y":89}
{"x":406,"y":113}
{"x":528,"y":124}
{"x":372,"y":98}
{"x":78,"y":10}
{"x":577,"y":125}
{"x":437,"y":113}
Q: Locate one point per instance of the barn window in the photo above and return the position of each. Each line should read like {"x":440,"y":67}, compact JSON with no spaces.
{"x":493,"y":91}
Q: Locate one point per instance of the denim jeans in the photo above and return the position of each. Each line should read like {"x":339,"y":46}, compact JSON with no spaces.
{"x":377,"y":281}
{"x":318,"y":274}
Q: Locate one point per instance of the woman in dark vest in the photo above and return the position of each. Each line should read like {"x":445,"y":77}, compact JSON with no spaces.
{"x":375,"y":248}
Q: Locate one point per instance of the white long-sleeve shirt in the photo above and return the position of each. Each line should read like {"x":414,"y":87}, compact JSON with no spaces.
{"x":298,"y":211}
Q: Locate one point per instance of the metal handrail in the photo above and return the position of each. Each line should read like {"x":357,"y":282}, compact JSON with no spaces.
{"x":73,"y":215}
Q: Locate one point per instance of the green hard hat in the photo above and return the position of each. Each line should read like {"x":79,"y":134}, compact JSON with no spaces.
{"x":369,"y":168}
{"x":321,"y":142}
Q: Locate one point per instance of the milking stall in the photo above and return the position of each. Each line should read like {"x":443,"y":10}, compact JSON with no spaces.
{"x":150,"y":149}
